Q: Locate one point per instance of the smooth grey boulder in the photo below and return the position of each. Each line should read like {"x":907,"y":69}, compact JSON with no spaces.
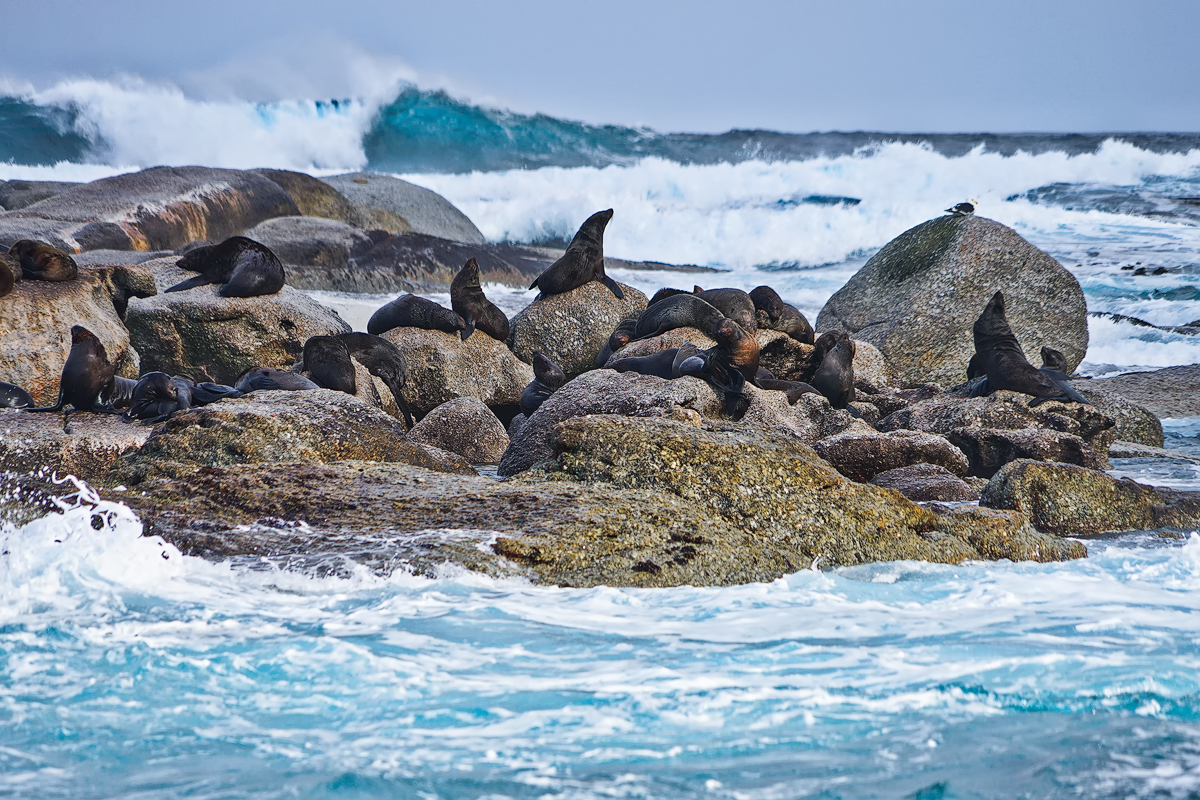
{"x":313,"y":196}
{"x":311,"y":241}
{"x":917,"y":298}
{"x":18,"y":194}
{"x":1170,"y":392}
{"x":423,"y":210}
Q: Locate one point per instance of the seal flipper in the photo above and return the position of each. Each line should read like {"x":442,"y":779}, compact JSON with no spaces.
{"x":612,"y":285}
{"x":191,"y":283}
{"x":981,"y":389}
{"x":206,"y":392}
{"x":56,"y":407}
{"x":1060,"y":380}
{"x":467,"y":331}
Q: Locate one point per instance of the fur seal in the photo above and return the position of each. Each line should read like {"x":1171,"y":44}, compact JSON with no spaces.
{"x":87,"y":377}
{"x":327,"y":362}
{"x":733,"y":303}
{"x":121,"y":394}
{"x":548,"y":377}
{"x":791,"y":322}
{"x":664,"y":293}
{"x":13,"y":396}
{"x":834,"y":377}
{"x":469,"y":302}
{"x":1055,"y":360}
{"x":410,"y":311}
{"x":768,"y":305}
{"x":157,"y":396}
{"x":244,"y":267}
{"x":622,"y":336}
{"x":41,"y":262}
{"x":998,"y":355}
{"x":383,"y":360}
{"x":728,"y":364}
{"x":663,"y":364}
{"x":583,"y":261}
{"x":267,"y":378}
{"x":677,"y":311}
{"x":10,"y":273}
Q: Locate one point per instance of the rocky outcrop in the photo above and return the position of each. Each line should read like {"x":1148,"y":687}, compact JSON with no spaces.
{"x":1170,"y":392}
{"x":1120,"y":449}
{"x":441,"y":367}
{"x":199,"y":333}
{"x":926,"y":482}
{"x":464,"y":426}
{"x":1073,"y":501}
{"x":988,"y":450}
{"x":399,"y":206}
{"x":85,"y":445}
{"x":861,"y":455}
{"x":156,"y":209}
{"x":571,"y":328}
{"x":311,"y":241}
{"x":917,"y":298}
{"x":314,"y":197}
{"x":316,"y":426}
{"x":36,"y":320}
{"x":1132,"y":422}
{"x":18,"y":194}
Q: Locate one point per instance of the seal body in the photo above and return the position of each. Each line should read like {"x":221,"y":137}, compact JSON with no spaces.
{"x":582,"y":262}
{"x":267,"y":378}
{"x":663,"y":364}
{"x":243,"y":267}
{"x":548,"y":377}
{"x":677,"y":311}
{"x":10,"y":273}
{"x":469,"y":302}
{"x":13,"y":396}
{"x":383,"y":360}
{"x":768,"y":305}
{"x":793,"y":323}
{"x":733,"y":303}
{"x":121,"y":394}
{"x":664,"y":293}
{"x":834,"y":377}
{"x":157,"y":396}
{"x":87,"y":377}
{"x":410,"y":311}
{"x":41,"y":262}
{"x":620,"y":337}
{"x":728,"y":364}
{"x":327,"y":361}
{"x":998,"y":355}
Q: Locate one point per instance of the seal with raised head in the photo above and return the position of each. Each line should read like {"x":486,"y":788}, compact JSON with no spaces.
{"x":729,"y":364}
{"x":243,"y":267}
{"x":677,"y":311}
{"x":1055,"y":360}
{"x":87,"y":377}
{"x":13,"y":396}
{"x":998,"y":355}
{"x":41,"y":262}
{"x":583,"y":261}
{"x":383,"y":360}
{"x":10,"y":273}
{"x":469,"y":302}
{"x":411,"y":311}
{"x":733,"y":303}
{"x":548,"y":378}
{"x":768,"y":306}
{"x":327,"y":362}
{"x":620,"y":337}
{"x":834,"y":377}
{"x":268,"y":378}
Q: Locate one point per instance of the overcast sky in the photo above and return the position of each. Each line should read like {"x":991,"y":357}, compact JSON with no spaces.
{"x":891,"y":65}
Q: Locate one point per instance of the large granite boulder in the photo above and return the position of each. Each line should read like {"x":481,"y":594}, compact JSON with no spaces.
{"x":917,"y":298}
{"x":572,"y":328}
{"x":861,"y":455}
{"x":156,"y":209}
{"x":926,"y":482}
{"x":199,"y":333}
{"x":464,"y":426}
{"x":85,"y":445}
{"x":36,"y":320}
{"x":316,"y":426}
{"x":1073,"y":501}
{"x":1170,"y":392}
{"x":1132,"y":422}
{"x":399,"y":206}
{"x":441,"y":367}
{"x":18,"y":194}
{"x":311,"y":241}
{"x":313,"y":196}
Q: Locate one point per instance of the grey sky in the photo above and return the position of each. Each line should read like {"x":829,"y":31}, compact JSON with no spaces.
{"x":925,"y":65}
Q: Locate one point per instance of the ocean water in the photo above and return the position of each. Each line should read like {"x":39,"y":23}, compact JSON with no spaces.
{"x":129,"y":670}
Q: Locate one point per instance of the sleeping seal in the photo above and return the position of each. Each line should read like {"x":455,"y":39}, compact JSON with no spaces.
{"x":834,"y":377}
{"x":87,"y":377}
{"x":410,"y":311}
{"x":733,"y":303}
{"x":794,"y":324}
{"x":677,"y":311}
{"x":664,"y":293}
{"x":583,"y":261}
{"x":13,"y":396}
{"x":269,"y":378}
{"x":10,"y":273}
{"x":663,"y":364}
{"x":469,"y":302}
{"x":768,"y":306}
{"x":242,"y":266}
{"x":998,"y":355}
{"x":41,"y":262}
{"x":548,"y":377}
{"x":327,"y":362}
{"x":157,"y":396}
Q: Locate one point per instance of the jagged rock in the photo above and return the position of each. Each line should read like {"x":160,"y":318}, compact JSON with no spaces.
{"x":997,"y":535}
{"x":441,"y":367}
{"x":464,"y":426}
{"x":398,"y":206}
{"x":1070,"y":500}
{"x":82,"y":444}
{"x":571,"y":328}
{"x":36,"y":320}
{"x":313,"y":196}
{"x":1170,"y":392}
{"x":311,"y":241}
{"x":156,"y":209}
{"x":1133,"y":423}
{"x":861,"y":456}
{"x":315,"y":426}
{"x":917,"y":298}
{"x":988,"y":449}
{"x":925,"y":482}
{"x":1120,"y":449}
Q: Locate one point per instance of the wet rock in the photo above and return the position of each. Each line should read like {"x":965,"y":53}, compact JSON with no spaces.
{"x":996,"y":535}
{"x":1120,"y":449}
{"x":82,"y":444}
{"x":315,"y":426}
{"x":313,"y":196}
{"x":916,"y":299}
{"x":861,"y":456}
{"x":1170,"y":392}
{"x":36,"y":320}
{"x":571,"y":328}
{"x":199,"y":333}
{"x":989,"y":449}
{"x":925,"y":482}
{"x":442,"y":367}
{"x":464,"y":426}
{"x":398,"y":206}
{"x":1133,"y":423}
{"x":1069,"y":500}
{"x":311,"y":241}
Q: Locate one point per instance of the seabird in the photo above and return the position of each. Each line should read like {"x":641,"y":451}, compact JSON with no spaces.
{"x":963,"y":209}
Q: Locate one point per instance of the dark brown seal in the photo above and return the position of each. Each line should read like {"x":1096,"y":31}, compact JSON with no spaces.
{"x":327,"y":362}
{"x":10,"y":273}
{"x":469,"y":302}
{"x":41,"y":262}
{"x":243,"y":267}
{"x":664,"y":293}
{"x":410,"y":311}
{"x":834,"y":377}
{"x":13,"y":396}
{"x":268,"y":378}
{"x":157,"y":396}
{"x":1055,"y":360}
{"x":620,"y":337}
{"x":663,"y":364}
{"x":677,"y":311}
{"x":548,"y":377}
{"x":87,"y":377}
{"x":768,"y":305}
{"x":583,"y":261}
{"x":794,"y":324}
{"x":733,"y":303}
{"x":383,"y":360}
{"x":728,"y":364}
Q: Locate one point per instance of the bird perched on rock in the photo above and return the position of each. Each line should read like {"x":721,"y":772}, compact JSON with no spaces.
{"x":963,"y":209}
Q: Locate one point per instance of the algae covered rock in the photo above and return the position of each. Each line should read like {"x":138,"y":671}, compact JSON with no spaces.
{"x":81,"y":444}
{"x":313,"y":196}
{"x":988,"y":450}
{"x":926,"y":482}
{"x":1131,"y":422}
{"x":464,"y":426}
{"x":917,"y":298}
{"x":571,"y":328}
